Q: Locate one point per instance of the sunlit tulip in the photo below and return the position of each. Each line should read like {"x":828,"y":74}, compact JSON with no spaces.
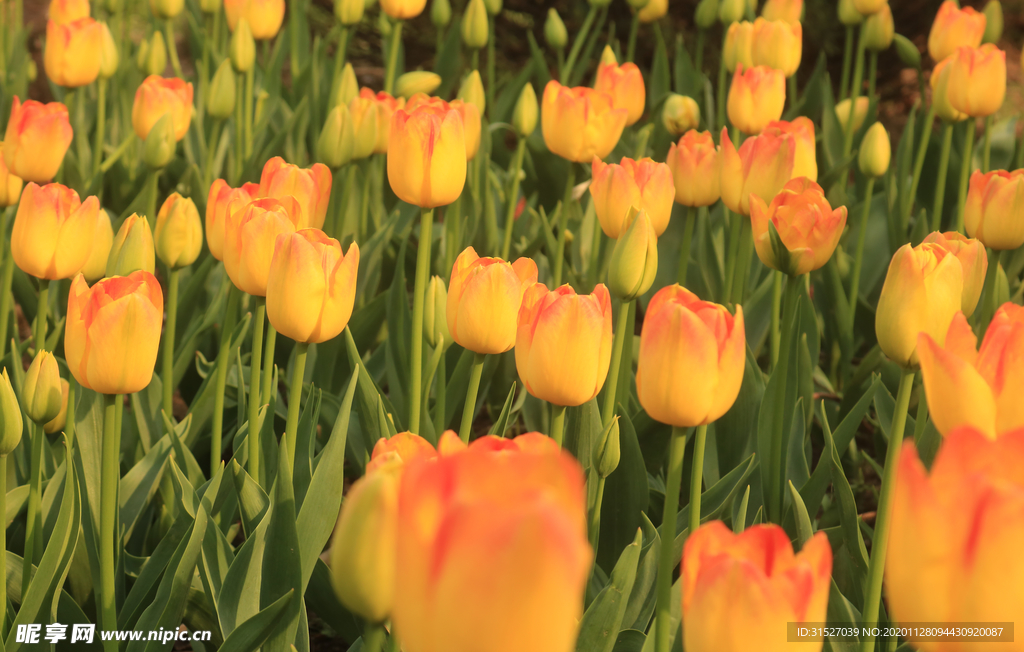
{"x":644,"y":185}
{"x":694,"y":165}
{"x":179,"y":232}
{"x":53,"y":231}
{"x":241,"y":48}
{"x":766,"y":162}
{"x":625,"y":85}
{"x":939,"y":83}
{"x":221,"y":202}
{"x":311,"y":188}
{"x":73,"y":51}
{"x":680,"y":114}
{"x":427,"y":156}
{"x":787,"y":10}
{"x":133,"y":248}
{"x":555,"y":33}
{"x":250,"y":236}
{"x":777,"y":44}
{"x":860,"y":113}
{"x":923,"y":289}
{"x":955,"y":28}
{"x":418,"y":81}
{"x":468,"y":111}
{"x":977,"y":80}
{"x":973,"y":259}
{"x":113,"y":332}
{"x":264,"y":16}
{"x":312,"y":286}
{"x":564,"y":343}
{"x":40,"y":390}
{"x":756,"y":97}
{"x":38,"y":135}
{"x":740,"y":590}
{"x":399,"y":449}
{"x":58,"y":422}
{"x":157,"y":96}
{"x":10,"y":186}
{"x":472,"y":90}
{"x":739,"y":45}
{"x":580,"y":123}
{"x":403,"y":9}
{"x":103,"y":239}
{"x":994,"y":213}
{"x":109,"y":56}
{"x":634,"y":262}
{"x":67,"y":11}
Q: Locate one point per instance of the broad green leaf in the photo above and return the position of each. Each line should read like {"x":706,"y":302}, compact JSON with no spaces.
{"x":255,"y":631}
{"x":603,"y":619}
{"x":626,"y":496}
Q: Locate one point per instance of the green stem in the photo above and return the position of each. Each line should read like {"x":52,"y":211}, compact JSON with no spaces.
{"x":117,"y":153}
{"x":268,"y":363}
{"x":746,"y":257}
{"x":441,"y":392}
{"x":419,"y":289}
{"x":844,"y":83}
{"x":776,"y":307}
{"x":167,"y":373}
{"x":698,"y":53}
{"x":1019,"y":160}
{"x":696,"y":476}
{"x":634,"y":27}
{"x":965,"y":173}
{"x":152,"y":189}
{"x":295,"y":400}
{"x":101,"y":124}
{"x":340,"y":54}
{"x":41,"y":310}
{"x":792,"y":92}
{"x":223,"y":359}
{"x":172,"y":48}
{"x":858,"y":259}
{"x":293,"y":33}
{"x":595,"y":516}
{"x":735,"y":226}
{"x":667,"y":560}
{"x":612,"y":384}
{"x":250,"y":77}
{"x":872,"y":73}
{"x":790,"y":302}
{"x":254,"y":388}
{"x":563,"y":221}
{"x":110,"y":478}
{"x":922,"y":151}
{"x":873,"y":592}
{"x":469,"y":408}
{"x":720,"y":89}
{"x":6,"y":277}
{"x":3,"y":510}
{"x":239,"y":135}
{"x":396,"y":40}
{"x":513,"y":197}
{"x":373,"y":638}
{"x":987,"y":149}
{"x":858,"y":79}
{"x":577,"y":44}
{"x":34,"y":520}
{"x":489,"y":90}
{"x":69,"y":422}
{"x":211,"y":150}
{"x":558,"y":423}
{"x":940,"y":177}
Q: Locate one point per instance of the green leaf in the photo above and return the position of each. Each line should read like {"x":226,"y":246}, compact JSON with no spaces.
{"x":804,"y":529}
{"x":603,"y":619}
{"x":848,"y":517}
{"x":501,"y":424}
{"x":255,"y":631}
{"x":640,"y":606}
{"x":626,"y":495}
{"x":140,"y":483}
{"x":713,"y":501}
{"x":660,"y":83}
{"x":252,"y":500}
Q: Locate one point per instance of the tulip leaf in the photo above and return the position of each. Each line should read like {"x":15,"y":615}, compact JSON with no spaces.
{"x":603,"y":618}
{"x":252,"y":500}
{"x":501,"y":423}
{"x":367,"y":398}
{"x":305,"y":444}
{"x":540,"y":64}
{"x":626,"y":496}
{"x":848,"y":517}
{"x":321,"y":598}
{"x":239,"y":596}
{"x":630,"y":640}
{"x":688,"y":80}
{"x":642,"y":599}
{"x":582,"y":428}
{"x":885,"y":406}
{"x":675,"y":616}
{"x":252,"y":633}
{"x":804,"y":529}
{"x":714,"y":501}
{"x":140,"y":483}
{"x":733,"y":436}
{"x":660,"y":82}
{"x":739,"y":517}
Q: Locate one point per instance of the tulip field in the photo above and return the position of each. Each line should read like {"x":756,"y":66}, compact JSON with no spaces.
{"x":484,"y":326}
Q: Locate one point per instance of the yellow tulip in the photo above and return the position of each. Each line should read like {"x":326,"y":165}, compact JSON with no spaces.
{"x":756,"y":97}
{"x":739,"y":45}
{"x":103,"y":239}
{"x":977,"y":80}
{"x":427,"y":155}
{"x":10,"y":186}
{"x":38,"y":135}
{"x":694,"y":165}
{"x":310,"y":187}
{"x":625,"y":85}
{"x":954,"y":28}
{"x":860,"y":113}
{"x":222,"y":201}
{"x":995,"y":203}
{"x":680,"y":114}
{"x":264,"y":16}
{"x":179,"y":232}
{"x":53,"y":231}
{"x":787,"y":10}
{"x":939,"y":82}
{"x":973,"y":260}
{"x":250,"y":236}
{"x":403,"y":9}
{"x":777,"y":44}
{"x":58,"y":422}
{"x":157,"y":96}
{"x":580,"y":123}
{"x":73,"y":51}
{"x":766,"y":162}
{"x":468,"y":111}
{"x":68,"y":11}
{"x":133,"y":248}
{"x":644,"y":185}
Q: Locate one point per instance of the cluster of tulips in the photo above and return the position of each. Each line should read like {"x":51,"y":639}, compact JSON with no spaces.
{"x":460,"y":541}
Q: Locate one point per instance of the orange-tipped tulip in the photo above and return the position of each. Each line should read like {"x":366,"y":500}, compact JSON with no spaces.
{"x":580,"y":123}
{"x":158,"y":96}
{"x":973,"y":260}
{"x":113,"y":332}
{"x":264,"y":16}
{"x":222,"y":202}
{"x":68,"y":11}
{"x":955,"y":28}
{"x":469,"y":112}
{"x":492,"y":547}
{"x":977,"y":80}
{"x":402,"y":448}
{"x":777,"y":44}
{"x":694,"y":165}
{"x":995,"y":204}
{"x":311,"y":188}
{"x":72,"y":53}
{"x":922,"y":292}
{"x":312,"y":286}
{"x":427,"y":156}
{"x":564,"y":343}
{"x":38,"y":135}
{"x":625,"y":85}
{"x":10,"y":186}
{"x":787,"y":10}
{"x":692,"y":355}
{"x":756,"y":97}
{"x":739,"y":45}
{"x":53,"y":231}
{"x":805,"y":223}
{"x":484,"y":300}
{"x":403,"y":9}
{"x":643,"y":185}
{"x":954,"y":547}
{"x":250,"y":236}
{"x":981,"y":388}
{"x":740,"y":590}
{"x":766,"y":162}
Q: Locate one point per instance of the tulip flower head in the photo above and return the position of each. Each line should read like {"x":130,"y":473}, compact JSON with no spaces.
{"x":10,"y":186}
{"x":524,"y":115}
{"x":222,"y":201}
{"x":625,"y":85}
{"x":869,"y":7}
{"x":371,"y":121}
{"x":67,"y":11}
{"x":680,"y":114}
{"x":53,"y":231}
{"x":995,"y":204}
{"x":766,"y":162}
{"x":580,"y":123}
{"x":879,"y":30}
{"x":11,"y":424}
{"x":977,"y":80}
{"x":739,"y":45}
{"x":250,"y":238}
{"x":860,"y":113}
{"x":57,"y":423}
{"x":634,"y":262}
{"x":403,"y":9}
{"x":95,"y":267}
{"x":973,"y":259}
{"x":427,"y":155}
{"x":652,"y":11}
{"x":694,"y":165}
{"x":643,"y":185}
{"x":955,"y":28}
{"x":73,"y":52}
{"x":777,"y":44}
{"x":158,"y":96}
{"x":939,"y":83}
{"x":179,"y":232}
{"x":133,"y":248}
{"x":787,"y":10}
{"x":756,"y":97}
{"x":40,"y":391}
{"x":310,"y":187}
{"x":263,"y":16}
{"x":468,"y":111}
{"x":435,"y":314}
{"x":38,"y":135}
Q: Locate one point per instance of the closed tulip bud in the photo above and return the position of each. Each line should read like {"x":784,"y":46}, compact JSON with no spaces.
{"x":923,"y":289}
{"x":210,"y":6}
{"x":250,"y":237}
{"x":766,"y":162}
{"x":53,"y":231}
{"x":907,"y":51}
{"x":484,"y":301}
{"x":67,"y":11}
{"x":493,"y":6}
{"x":133,"y":248}
{"x":869,"y":7}
{"x":10,"y":186}
{"x":879,"y":30}
{"x":435,"y":320}
{"x":11,"y":424}
{"x":166,"y":8}
{"x":472,"y":90}
{"x":220,"y":103}
{"x":179,"y":232}
{"x":739,"y":45}
{"x":977,"y":80}
{"x":403,"y":9}
{"x":848,"y":14}
{"x":142,"y":54}
{"x":312,"y":286}
{"x":153,"y":57}
{"x":994,"y":205}
{"x":348,"y":87}
{"x":95,"y":267}
{"x":785,"y":10}
{"x":625,"y":85}
{"x":680,"y":114}
{"x":427,"y":155}
{"x":756,"y":97}
{"x":606,"y":453}
{"x":242,"y":49}
{"x":634,"y":262}
{"x":440,"y":13}
{"x":222,"y":201}
{"x":693,"y":162}
{"x":109,"y":57}
{"x":682,"y":332}
{"x":160,"y":145}
{"x":955,"y":28}
{"x":157,"y":97}
{"x":58,"y":422}
{"x":31,"y":70}
{"x":973,"y":259}
{"x":371,"y":121}
{"x":860,"y":113}
{"x":555,"y":33}
{"x":418,"y":81}
{"x":334,"y":147}
{"x":738,"y":587}
{"x":37,"y":137}
{"x":798,"y":231}
{"x":40,"y":391}
{"x":875,"y":151}
{"x":474,"y":25}
{"x":652,"y":11}
{"x":580,"y":123}
{"x":310,"y":187}
{"x":707,"y":14}
{"x":607,"y":56}
{"x":563,"y":343}
{"x":644,"y":185}
{"x":264,"y":17}
{"x":113,"y":332}
{"x":524,"y":116}
{"x":730,"y":11}
{"x":384,"y":24}
{"x":779,"y":45}
{"x":73,"y":52}
{"x":349,"y":12}
{"x":993,"y":22}
{"x":939,"y":82}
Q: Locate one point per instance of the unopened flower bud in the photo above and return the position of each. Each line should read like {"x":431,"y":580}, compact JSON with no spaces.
{"x":220,"y":103}
{"x":58,"y":422}
{"x":349,"y":12}
{"x":243,"y":47}
{"x":907,"y":51}
{"x":418,"y":81}
{"x":879,"y":30}
{"x":730,"y":11}
{"x":166,"y":8}
{"x":875,"y":151}
{"x":474,"y":25}
{"x":555,"y":33}
{"x":348,"y":87}
{"x":155,"y":60}
{"x":634,"y":262}
{"x":334,"y":147}
{"x":179,"y":232}
{"x":606,"y":451}
{"x":11,"y":423}
{"x":848,"y":14}
{"x":109,"y":58}
{"x":680,"y":114}
{"x":160,"y":144}
{"x":440,"y":13}
{"x":706,"y":14}
{"x":993,"y":22}
{"x":493,"y":6}
{"x":524,"y":116}
{"x":608,"y":56}
{"x":40,"y":391}
{"x":133,"y":248}
{"x":435,"y":320}
{"x":472,"y":91}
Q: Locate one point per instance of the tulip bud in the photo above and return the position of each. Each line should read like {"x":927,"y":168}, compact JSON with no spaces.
{"x":11,"y":424}
{"x":384,"y":24}
{"x":634,"y":262}
{"x":652,"y":11}
{"x":210,"y":6}
{"x":166,"y":8}
{"x":879,"y":30}
{"x":869,"y":7}
{"x":155,"y":57}
{"x":160,"y":144}
{"x":95,"y":267}
{"x":875,"y":151}
{"x":334,"y":147}
{"x":474,"y":25}
{"x":555,"y":33}
{"x":435,"y":321}
{"x":739,"y":45}
{"x":440,"y":13}
{"x":907,"y":51}
{"x":860,"y":113}
{"x":608,"y":56}
{"x":109,"y":58}
{"x":848,"y":14}
{"x":993,"y":22}
{"x":220,"y":103}
{"x":348,"y":87}
{"x":524,"y":116}
{"x":493,"y":7}
{"x":606,"y":452}
{"x":419,"y":81}
{"x":31,"y":70}
{"x":680,"y":114}
{"x":133,"y":248}
{"x":730,"y":11}
{"x":349,"y":12}
{"x":472,"y":90}
{"x":58,"y":422}
{"x":179,"y":232}
{"x":10,"y":186}
{"x":706,"y":14}
{"x":40,"y":392}
{"x":243,"y":47}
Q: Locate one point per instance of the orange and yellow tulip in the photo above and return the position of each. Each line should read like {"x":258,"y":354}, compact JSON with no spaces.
{"x":10,"y":186}
{"x":38,"y":135}
{"x":53,"y":231}
{"x":777,"y":44}
{"x":977,"y":80}
{"x":580,"y":123}
{"x":469,"y":112}
{"x":625,"y":85}
{"x":222,"y":202}
{"x":158,"y":96}
{"x":427,"y":155}
{"x":264,"y":16}
{"x":756,"y":98}
{"x":250,"y":236}
{"x":68,"y":11}
{"x":739,"y":45}
{"x":403,"y":9}
{"x":766,"y":162}
{"x":311,"y":188}
{"x":787,"y":10}
{"x":644,"y":185}
{"x":973,"y":260}
{"x":694,"y":165}
{"x":955,"y":28}
{"x":72,"y":53}
{"x":995,"y":203}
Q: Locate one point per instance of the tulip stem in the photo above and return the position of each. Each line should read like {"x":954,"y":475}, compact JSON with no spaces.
{"x":733,"y":254}
{"x":117,"y":153}
{"x":34,"y":520}
{"x":101,"y":124}
{"x":844,"y":83}
{"x":563,"y":221}
{"x":873,"y":593}
{"x":3,"y":530}
{"x":697,"y":474}
{"x":1019,"y":158}
{"x":396,"y":40}
{"x":254,"y":388}
{"x":858,"y":259}
{"x":268,"y":362}
{"x":965,"y":173}
{"x":250,"y":76}
{"x":698,"y":53}
{"x":475,"y":372}
{"x":922,"y":151}
{"x":858,"y":80}
{"x":987,"y":148}
{"x":667,"y":559}
{"x":611,"y":387}
{"x":373,"y":638}
{"x":223,"y":357}
{"x":6,"y":277}
{"x":558,"y":423}
{"x":489,"y":90}
{"x":339,"y":60}
{"x":634,"y":27}
{"x":151,"y":190}
{"x":239,"y":135}
{"x":168,"y":359}
{"x":720,"y":89}
{"x":940,"y":178}
{"x":513,"y":197}
{"x":872,"y":74}
{"x":41,"y":309}
{"x":595,"y":517}
{"x":776,"y":469}
{"x":440,"y":392}
{"x":746,"y":256}
{"x":987,"y":308}
{"x":295,"y":401}
{"x":792,"y":91}
{"x":776,"y":308}
{"x":109,"y":480}
{"x":577,"y":44}
{"x":172,"y":48}
{"x":418,"y":292}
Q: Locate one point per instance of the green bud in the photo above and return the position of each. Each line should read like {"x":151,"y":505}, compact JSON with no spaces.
{"x":31,"y":70}
{"x":440,"y":13}
{"x":156,"y":55}
{"x":680,"y":114}
{"x":109,"y":59}
{"x":349,"y":12}
{"x":220,"y":102}
{"x":875,"y":151}
{"x":474,"y":25}
{"x":848,"y":14}
{"x":993,"y":22}
{"x":243,"y":47}
{"x":706,"y":14}
{"x":493,"y":6}
{"x":730,"y":11}
{"x":637,"y":5}
{"x":634,"y":262}
{"x":11,"y":424}
{"x":418,"y":81}
{"x":1002,"y":286}
{"x":57,"y":423}
{"x":40,"y":392}
{"x":179,"y":232}
{"x":334,"y":147}
{"x":608,"y":56}
{"x":524,"y":116}
{"x":347,"y":88}
{"x":166,"y":8}
{"x":472,"y":91}
{"x":606,"y":450}
{"x":158,"y":150}
{"x":555,"y":33}
{"x":210,"y":6}
{"x":435,"y":313}
{"x":907,"y":51}
{"x":879,"y":30}
{"x":384,"y":24}
{"x":133,"y":248}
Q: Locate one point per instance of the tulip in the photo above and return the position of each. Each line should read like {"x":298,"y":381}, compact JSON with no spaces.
{"x":652,"y":11}
{"x":994,"y":205}
{"x":977,"y":80}
{"x":869,"y":7}
{"x":848,"y":14}
{"x":939,"y":82}
{"x":53,"y":231}
{"x":109,"y":57}
{"x":923,"y":289}
{"x":634,"y":261}
{"x":756,"y":97}
{"x":264,"y":16}
{"x":435,"y":314}
{"x":739,"y":45}
{"x":524,"y":116}
{"x":777,"y":44}
{"x":879,"y":30}
{"x":242,"y":47}
{"x":484,"y":300}
{"x":860,"y":113}
{"x":625,"y":85}
{"x":73,"y":52}
{"x":311,"y":287}
{"x":740,"y":589}
{"x":152,"y":55}
{"x":220,"y":103}
{"x":310,"y":187}
{"x":956,"y":533}
{"x":349,"y":12}
{"x":468,"y":111}
{"x":334,"y":147}
{"x":179,"y":232}
{"x":955,"y":28}
{"x":38,"y":135}
{"x":580,"y":123}
{"x":875,"y":152}
{"x":440,"y":13}
{"x":475,"y":29}
{"x":11,"y":424}
{"x":427,"y":155}
{"x":95,"y":267}
{"x":157,"y":97}
{"x":417,"y":81}
{"x":68,"y":11}
{"x":10,"y":186}
{"x":57,"y":423}
{"x":555,"y":34}
{"x":607,"y":57}
{"x":644,"y":185}
{"x":680,"y":114}
{"x":403,"y":9}
{"x":159,"y":147}
{"x":365,"y":118}
{"x":250,"y":236}
{"x":40,"y":391}
{"x":133,"y":248}
{"x":706,"y":14}
{"x":766,"y":162}
{"x":371,"y":120}
{"x":730,"y":11}
{"x":348,"y":87}
{"x":472,"y":91}
{"x":514,"y":517}
{"x":993,"y":21}
{"x":222,"y":202}
{"x":564,"y":343}
{"x":787,"y":10}
{"x":166,"y":8}
{"x":694,"y":165}
{"x":113,"y":332}
{"x":398,"y":450}
{"x":907,"y":52}
{"x":973,"y":259}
